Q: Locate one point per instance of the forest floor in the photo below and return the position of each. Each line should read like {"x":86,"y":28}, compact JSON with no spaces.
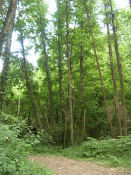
{"x":66,"y":166}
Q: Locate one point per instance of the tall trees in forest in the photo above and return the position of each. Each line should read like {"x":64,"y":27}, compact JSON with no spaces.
{"x":116,"y":102}
{"x":69,"y":72}
{"x":44,"y":51}
{"x":28,"y":82}
{"x":66,"y":85}
{"x":59,"y":34}
{"x":99,"y":70}
{"x":5,"y":37}
{"x":119,"y":70}
{"x":80,"y":86}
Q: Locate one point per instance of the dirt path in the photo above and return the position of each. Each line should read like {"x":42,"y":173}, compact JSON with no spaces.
{"x":66,"y":166}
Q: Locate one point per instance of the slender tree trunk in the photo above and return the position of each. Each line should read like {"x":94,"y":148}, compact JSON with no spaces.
{"x":28,"y":83}
{"x":65,"y":130}
{"x":59,"y":67}
{"x":5,"y":30}
{"x":84,"y":125}
{"x":59,"y":61}
{"x":120,"y":71}
{"x":1,"y":4}
{"x":116,"y":103}
{"x":69,"y":74}
{"x":130,"y":3}
{"x":47,"y":73}
{"x":99,"y":70}
{"x":80,"y":88}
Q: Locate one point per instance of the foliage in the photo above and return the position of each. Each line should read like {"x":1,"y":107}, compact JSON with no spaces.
{"x":114,"y":152}
{"x":13,"y":155}
{"x":28,"y":19}
{"x":111,"y":152}
{"x":30,"y":135}
{"x":112,"y":147}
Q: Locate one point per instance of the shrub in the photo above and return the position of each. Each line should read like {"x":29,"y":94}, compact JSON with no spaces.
{"x":110,"y":147}
{"x":13,"y":155}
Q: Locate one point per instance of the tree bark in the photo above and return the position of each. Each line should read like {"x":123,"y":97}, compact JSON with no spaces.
{"x":47,"y":72}
{"x":116,"y":103}
{"x":69,"y":74}
{"x":5,"y":30}
{"x":4,"y":74}
{"x":28,"y":83}
{"x":80,"y":88}
{"x":65,"y":129}
{"x":100,"y":74}
{"x":84,"y":125}
{"x":120,"y":71}
{"x":59,"y":61}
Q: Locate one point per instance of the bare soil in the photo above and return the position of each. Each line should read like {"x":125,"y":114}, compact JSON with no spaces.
{"x":66,"y":166}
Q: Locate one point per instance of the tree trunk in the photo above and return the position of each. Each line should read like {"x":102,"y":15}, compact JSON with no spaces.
{"x":28,"y":83}
{"x":51,"y":109}
{"x":65,"y":130}
{"x":4,"y":74}
{"x":80,"y":88}
{"x":1,"y":4}
{"x":84,"y":125}
{"x":130,"y":3}
{"x":5,"y":30}
{"x":99,"y":70}
{"x":59,"y":62}
{"x":116,"y":103}
{"x":69,"y":74}
{"x":120,"y":71}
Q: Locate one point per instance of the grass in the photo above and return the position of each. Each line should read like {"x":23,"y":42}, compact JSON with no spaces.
{"x":29,"y":168}
{"x":108,"y":152}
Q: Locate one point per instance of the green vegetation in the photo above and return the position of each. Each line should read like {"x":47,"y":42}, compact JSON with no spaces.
{"x":79,"y":91}
{"x":14,"y":154}
{"x":110,"y":152}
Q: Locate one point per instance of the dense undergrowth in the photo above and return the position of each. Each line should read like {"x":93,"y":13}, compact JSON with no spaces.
{"x":111,"y":152}
{"x":14,"y":150}
{"x":17,"y":141}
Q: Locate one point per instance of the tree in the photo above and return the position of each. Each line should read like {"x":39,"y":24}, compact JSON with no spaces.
{"x":4,"y":74}
{"x":69,"y":72}
{"x":8,"y":21}
{"x":6,"y":35}
{"x":99,"y":70}
{"x":119,"y":69}
{"x":80,"y":86}
{"x":59,"y":24}
{"x":28,"y":83}
{"x":116,"y":103}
